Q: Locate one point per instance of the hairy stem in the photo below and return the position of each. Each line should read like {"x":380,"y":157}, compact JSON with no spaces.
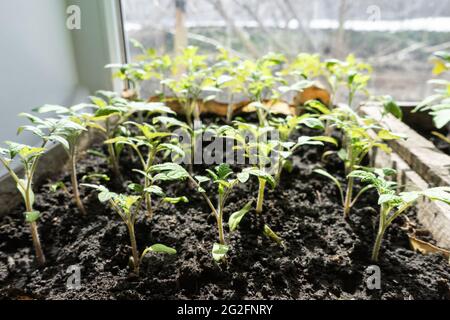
{"x":380,"y":234}
{"x":74,"y":180}
{"x":134,"y":250}
{"x":220,"y":226}
{"x":348,"y":197}
{"x":34,"y":232}
{"x":37,"y":243}
{"x":259,"y":204}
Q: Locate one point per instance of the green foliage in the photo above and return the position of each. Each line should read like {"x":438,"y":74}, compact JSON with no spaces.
{"x":359,"y":139}
{"x":352,"y":74}
{"x":219,"y":177}
{"x":393,"y":204}
{"x":438,"y":104}
{"x":127,"y":207}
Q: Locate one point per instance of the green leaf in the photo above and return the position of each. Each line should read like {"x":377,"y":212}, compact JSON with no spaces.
{"x":390,"y":106}
{"x":438,"y":194}
{"x":174,"y":148}
{"x":313,"y":123}
{"x":305,"y":140}
{"x":201,"y":179}
{"x":387,"y":135}
{"x":176,"y":200}
{"x":243,"y":177}
{"x":272,"y":235}
{"x":58,"y":185}
{"x":136,"y":187}
{"x":223,"y":171}
{"x":384,"y":198}
{"x":261,"y":174}
{"x":52,"y":108}
{"x":156,"y":190}
{"x":219,"y":251}
{"x":32,"y":216}
{"x":99,"y":102}
{"x":237,"y":216}
{"x":169,"y":172}
{"x":441,"y":117}
{"x":159,"y":248}
{"x":23,"y":191}
{"x":326,"y":139}
{"x":105,"y":196}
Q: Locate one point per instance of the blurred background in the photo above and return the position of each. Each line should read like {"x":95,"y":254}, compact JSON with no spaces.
{"x":396,"y":37}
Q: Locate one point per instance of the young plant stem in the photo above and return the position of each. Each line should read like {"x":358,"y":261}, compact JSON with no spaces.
{"x":349,"y":191}
{"x":134,"y":249}
{"x":380,"y":234}
{"x":74,"y":180}
{"x":220,"y":226}
{"x":259,"y":204}
{"x":148,"y":196}
{"x":348,"y":197}
{"x":29,"y":207}
{"x":34,"y":231}
{"x":37,"y":243}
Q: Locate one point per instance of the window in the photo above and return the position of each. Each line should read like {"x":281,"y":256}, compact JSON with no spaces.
{"x":396,"y":37}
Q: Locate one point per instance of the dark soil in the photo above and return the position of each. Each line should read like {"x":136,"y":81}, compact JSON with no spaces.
{"x":325,"y":257}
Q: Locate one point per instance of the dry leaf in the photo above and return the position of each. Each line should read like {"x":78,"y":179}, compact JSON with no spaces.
{"x":315,"y":92}
{"x":426,"y":248}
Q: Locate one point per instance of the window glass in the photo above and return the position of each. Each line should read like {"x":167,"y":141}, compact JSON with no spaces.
{"x":396,"y":37}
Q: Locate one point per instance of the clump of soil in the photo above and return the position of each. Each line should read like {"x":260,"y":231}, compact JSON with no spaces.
{"x":325,"y":256}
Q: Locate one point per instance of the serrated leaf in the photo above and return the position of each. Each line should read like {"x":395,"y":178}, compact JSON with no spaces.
{"x":223,"y":171}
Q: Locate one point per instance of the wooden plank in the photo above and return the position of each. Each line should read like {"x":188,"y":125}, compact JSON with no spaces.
{"x":418,"y":152}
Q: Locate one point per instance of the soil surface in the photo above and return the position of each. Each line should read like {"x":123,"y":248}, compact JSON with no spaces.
{"x":325,"y":256}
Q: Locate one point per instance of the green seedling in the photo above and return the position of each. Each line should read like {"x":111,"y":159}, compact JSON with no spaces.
{"x":48,"y":130}
{"x":196,"y":79}
{"x":285,"y":128}
{"x":305,"y":66}
{"x":147,"y":144}
{"x":149,"y":65}
{"x":127,"y":207}
{"x":357,"y":143}
{"x":113,"y":111}
{"x":261,"y":79}
{"x":231,"y":76}
{"x":72,"y":134}
{"x":221,"y":178}
{"x":351,"y":74}
{"x":392,"y":205}
{"x":28,"y":157}
{"x":267,"y":157}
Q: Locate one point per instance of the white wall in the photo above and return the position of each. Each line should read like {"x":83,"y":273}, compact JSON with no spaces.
{"x":41,"y":61}
{"x":37,"y":64}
